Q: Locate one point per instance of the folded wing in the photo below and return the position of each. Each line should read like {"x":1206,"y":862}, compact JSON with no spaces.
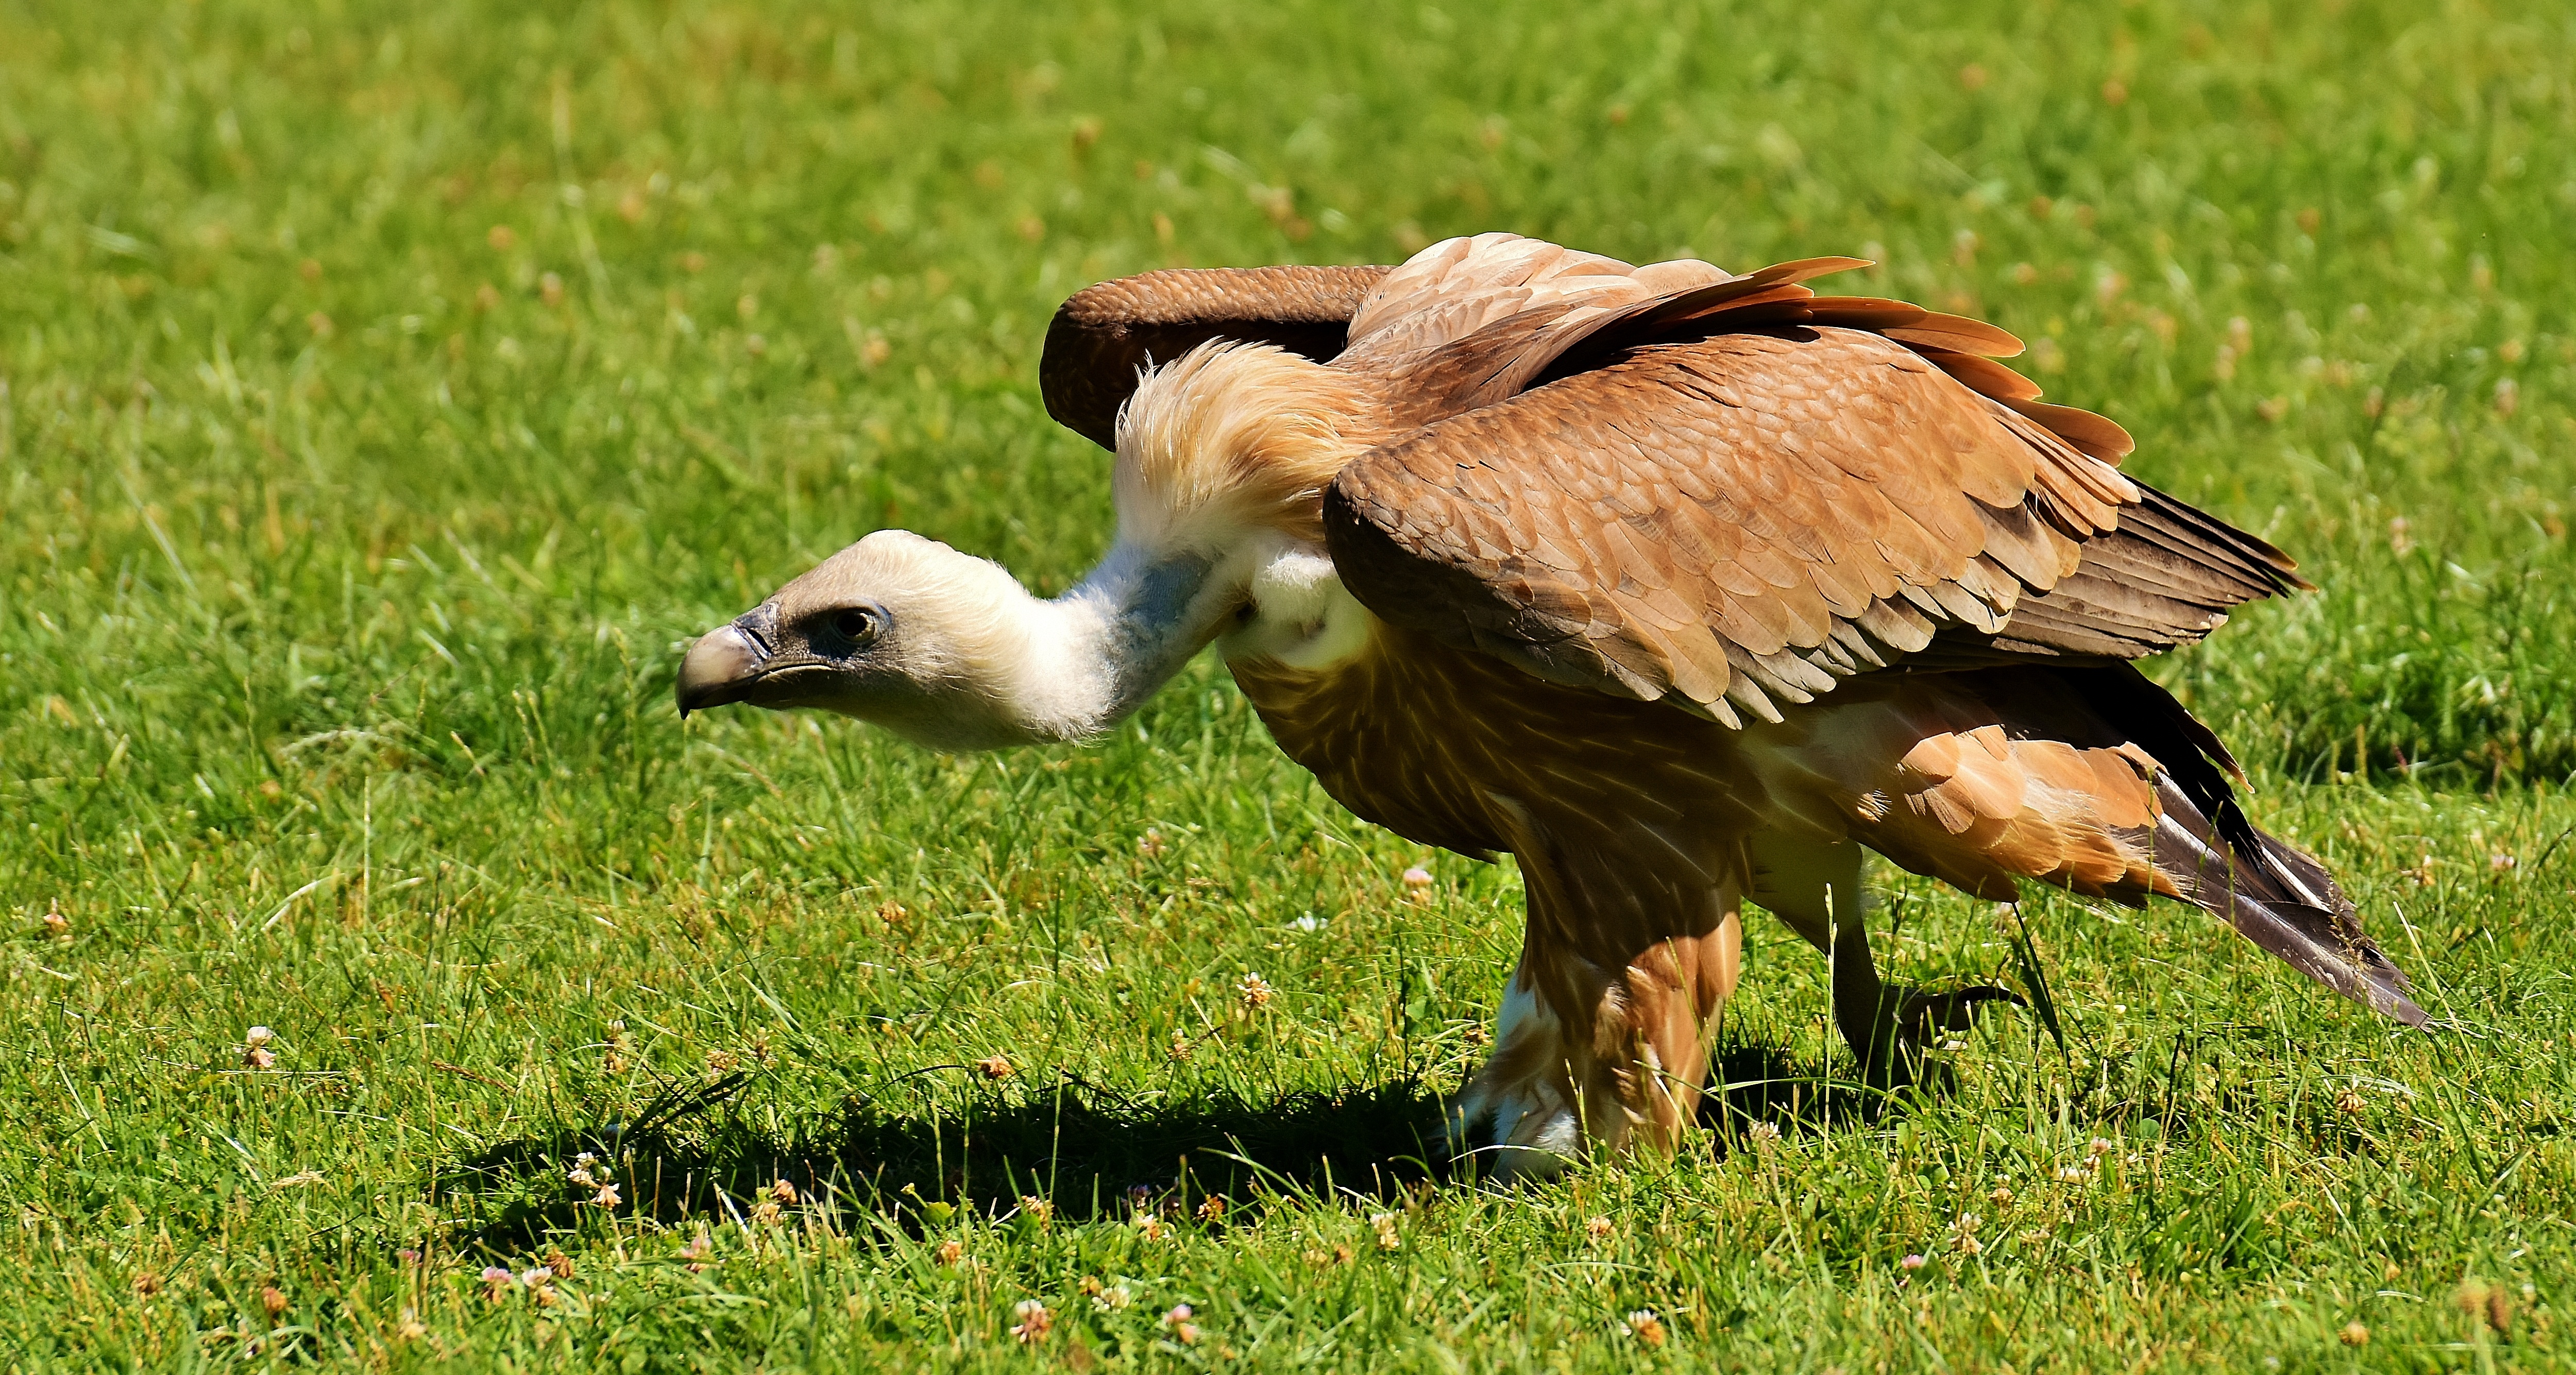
{"x":1737,"y":494}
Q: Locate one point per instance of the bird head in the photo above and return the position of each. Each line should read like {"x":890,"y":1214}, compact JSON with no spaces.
{"x":931,"y":643}
{"x":1223,"y":457}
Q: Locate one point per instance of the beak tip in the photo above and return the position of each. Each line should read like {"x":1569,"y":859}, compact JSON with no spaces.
{"x":719,"y":668}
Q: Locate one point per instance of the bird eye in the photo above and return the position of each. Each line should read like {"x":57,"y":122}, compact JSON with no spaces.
{"x":856,"y":625}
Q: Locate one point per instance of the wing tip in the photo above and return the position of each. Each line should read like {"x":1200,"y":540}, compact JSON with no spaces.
{"x":1803,"y":269}
{"x":2090,"y":433}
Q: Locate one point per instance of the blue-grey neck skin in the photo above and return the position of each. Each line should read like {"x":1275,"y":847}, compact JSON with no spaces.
{"x":1137,"y":619}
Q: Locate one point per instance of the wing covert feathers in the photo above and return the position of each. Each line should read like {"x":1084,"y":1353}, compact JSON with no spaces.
{"x":1102,"y":337}
{"x":1740,"y":520}
{"x":1460,"y":287}
{"x":1668,"y":482}
{"x":1735,"y":493}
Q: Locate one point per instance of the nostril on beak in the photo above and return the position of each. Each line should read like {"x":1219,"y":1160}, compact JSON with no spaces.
{"x":760,"y":626}
{"x":719,"y":668}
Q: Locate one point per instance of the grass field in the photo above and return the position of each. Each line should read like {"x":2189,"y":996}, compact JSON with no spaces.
{"x":387,"y":391}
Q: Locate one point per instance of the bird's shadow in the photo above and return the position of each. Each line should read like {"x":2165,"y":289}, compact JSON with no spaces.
{"x":1087,"y":1150}
{"x":1753,"y":1082}
{"x":920,"y":1152}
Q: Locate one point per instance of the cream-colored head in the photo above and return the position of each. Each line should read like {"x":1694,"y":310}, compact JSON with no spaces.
{"x":1222,"y":460}
{"x":931,"y":643}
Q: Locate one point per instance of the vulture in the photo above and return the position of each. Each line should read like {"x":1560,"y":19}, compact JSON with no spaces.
{"x":1684,"y":588}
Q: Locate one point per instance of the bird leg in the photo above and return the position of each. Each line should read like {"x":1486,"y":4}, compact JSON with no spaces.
{"x":1657,"y":1047}
{"x":1520,"y":1114}
{"x":1865,"y":1009}
{"x":1816,"y":890}
{"x":1887,"y":1025}
{"x":1594,"y":1049}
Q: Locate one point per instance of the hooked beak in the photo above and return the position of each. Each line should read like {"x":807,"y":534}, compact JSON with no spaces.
{"x":726,"y":663}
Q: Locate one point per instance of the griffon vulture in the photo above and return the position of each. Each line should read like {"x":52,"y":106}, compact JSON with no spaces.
{"x":1684,"y":588}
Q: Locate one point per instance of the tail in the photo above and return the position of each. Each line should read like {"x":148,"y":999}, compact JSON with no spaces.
{"x":2278,"y":896}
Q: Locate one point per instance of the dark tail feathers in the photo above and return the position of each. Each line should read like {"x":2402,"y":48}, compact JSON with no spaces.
{"x":2280,"y":898}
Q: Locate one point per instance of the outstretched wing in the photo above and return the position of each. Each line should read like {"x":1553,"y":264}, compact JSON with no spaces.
{"x":1102,"y":337}
{"x":1737,"y":518}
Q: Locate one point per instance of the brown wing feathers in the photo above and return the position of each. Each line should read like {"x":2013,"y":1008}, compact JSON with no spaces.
{"x":1748,"y":517}
{"x":1105,"y":334}
{"x":1783,"y":473}
{"x":2053,"y":553}
{"x":2164,"y":577}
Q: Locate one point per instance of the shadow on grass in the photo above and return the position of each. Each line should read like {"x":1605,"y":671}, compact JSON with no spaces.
{"x":1089,"y":1151}
{"x":1755,"y":1083}
{"x":695,"y":1151}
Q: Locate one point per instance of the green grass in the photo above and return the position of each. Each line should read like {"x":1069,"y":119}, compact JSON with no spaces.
{"x":346,"y":541}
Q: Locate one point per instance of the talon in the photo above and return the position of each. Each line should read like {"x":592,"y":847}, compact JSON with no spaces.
{"x":1918,"y":1014}
{"x":1891,"y":1039}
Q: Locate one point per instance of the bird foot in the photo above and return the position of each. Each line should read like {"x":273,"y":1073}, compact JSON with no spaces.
{"x":1918,"y":1013}
{"x":1908,"y":1021}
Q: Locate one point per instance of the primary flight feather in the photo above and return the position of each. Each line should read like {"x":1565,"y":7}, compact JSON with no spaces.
{"x":1682,"y":587}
